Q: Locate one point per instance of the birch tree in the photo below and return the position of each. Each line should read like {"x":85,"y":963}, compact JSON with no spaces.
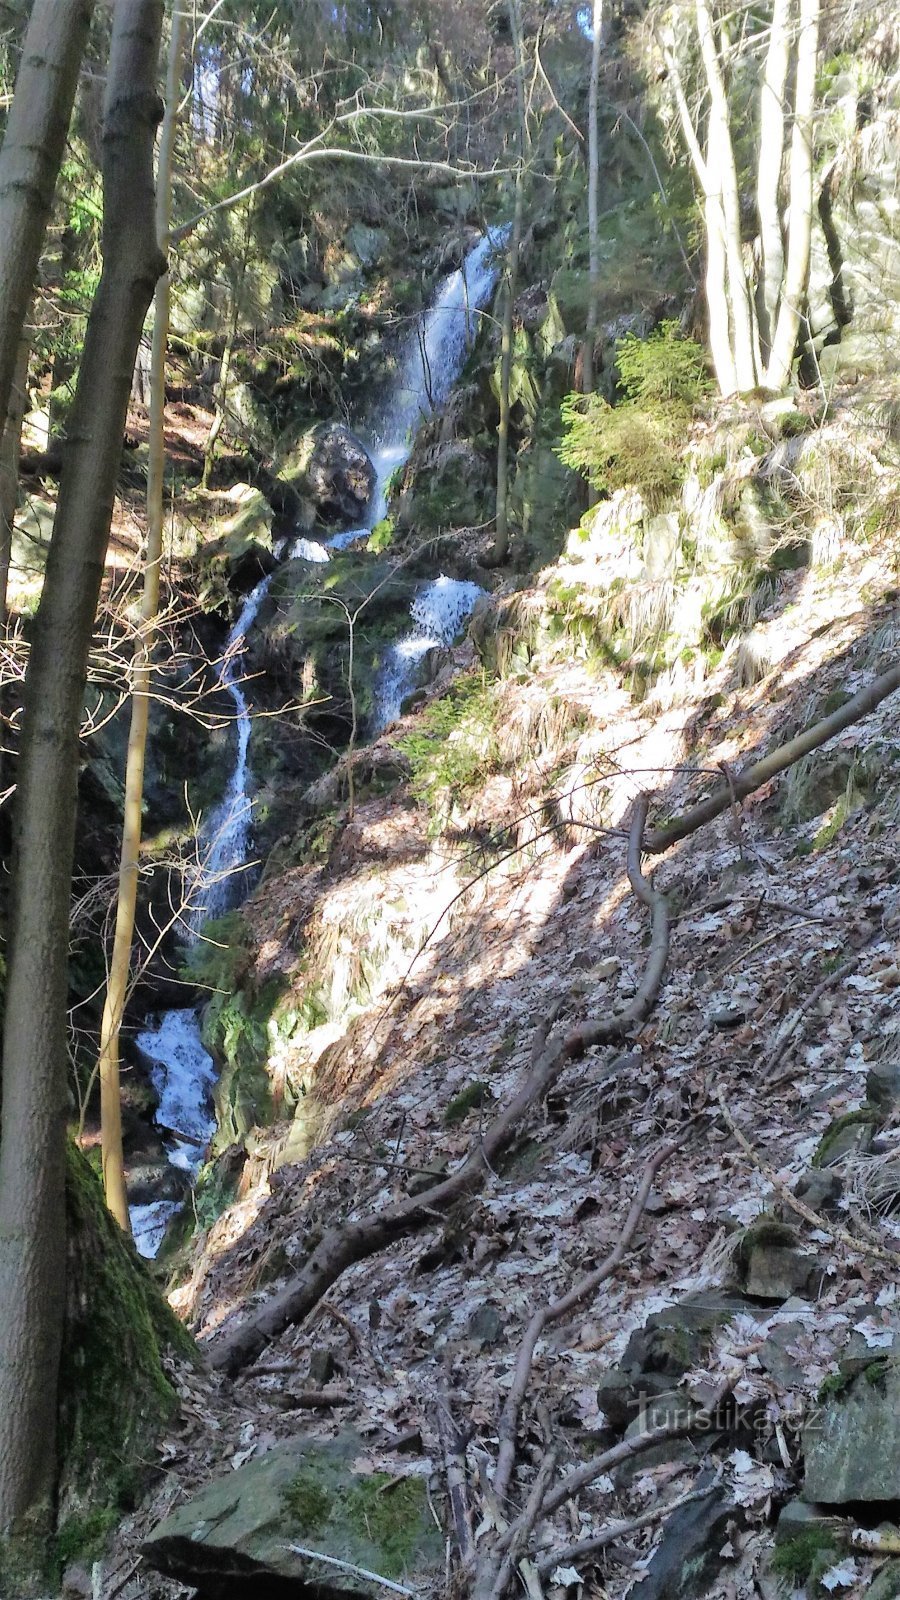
{"x":754,"y":317}
{"x":33,"y":1139}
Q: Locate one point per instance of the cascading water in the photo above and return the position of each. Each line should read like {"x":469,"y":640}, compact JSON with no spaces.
{"x":182,"y":1070}
{"x":429,"y":362}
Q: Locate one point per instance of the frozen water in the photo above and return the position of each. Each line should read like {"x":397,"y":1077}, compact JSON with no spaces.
{"x":438,"y":613}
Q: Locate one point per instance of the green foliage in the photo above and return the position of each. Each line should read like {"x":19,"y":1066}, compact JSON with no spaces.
{"x":637,"y":443}
{"x":661,"y":368}
{"x":381,"y":535}
{"x":454,"y":744}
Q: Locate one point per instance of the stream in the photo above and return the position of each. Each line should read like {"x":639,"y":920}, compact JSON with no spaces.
{"x":430,"y":359}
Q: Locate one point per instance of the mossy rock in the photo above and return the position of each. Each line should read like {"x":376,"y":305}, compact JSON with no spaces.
{"x":850,"y":1135}
{"x":303,"y":1494}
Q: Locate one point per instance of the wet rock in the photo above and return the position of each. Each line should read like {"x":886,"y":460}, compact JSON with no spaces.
{"x":239,"y":1530}
{"x":689,"y":1555}
{"x":851,"y":1443}
{"x":339,"y":473}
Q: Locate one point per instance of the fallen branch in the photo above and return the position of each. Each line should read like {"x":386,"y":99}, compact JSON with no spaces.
{"x":742,"y":784}
{"x":703,"y":1420}
{"x":347,"y":1566}
{"x":356,"y":1240}
{"x":614,"y":1531}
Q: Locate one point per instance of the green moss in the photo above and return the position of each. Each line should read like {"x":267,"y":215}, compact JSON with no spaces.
{"x":834,"y":1384}
{"x":798,"y":1560}
{"x":387,"y":1513}
{"x":82,"y":1538}
{"x":115,"y":1397}
{"x":309,"y":1501}
{"x":474,"y":1094}
{"x":866,"y":1116}
{"x":454,"y":744}
{"x":390,"y":1514}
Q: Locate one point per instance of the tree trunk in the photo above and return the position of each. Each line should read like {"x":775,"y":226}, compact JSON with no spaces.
{"x":587,"y":361}
{"x":719,"y":145}
{"x":796,"y":272}
{"x":768,"y":181}
{"x":32,"y":1147}
{"x":33,"y":146}
{"x":501,"y":537}
{"x":10,"y":447}
{"x":129,"y":858}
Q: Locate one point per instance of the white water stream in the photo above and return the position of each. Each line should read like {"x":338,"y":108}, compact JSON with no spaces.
{"x":430,"y":360}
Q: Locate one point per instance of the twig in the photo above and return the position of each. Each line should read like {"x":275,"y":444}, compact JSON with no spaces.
{"x":347,"y":1566}
{"x":614,"y":1531}
{"x":860,"y":1246}
{"x":788,"y":1029}
{"x":509,"y":1417}
{"x":524,"y":1527}
{"x":453,"y":1446}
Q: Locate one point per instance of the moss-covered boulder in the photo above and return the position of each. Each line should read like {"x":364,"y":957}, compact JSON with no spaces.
{"x":304,"y":1513}
{"x":851,"y":1443}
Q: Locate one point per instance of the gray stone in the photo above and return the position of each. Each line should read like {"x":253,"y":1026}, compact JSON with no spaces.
{"x":485,"y":1325}
{"x":240,"y":1528}
{"x":727,"y":1017}
{"x":688,"y":1558}
{"x":851,"y":1442}
{"x":886,"y":1584}
{"x":775,"y":1356}
{"x":657,"y":1355}
{"x":820,"y":1188}
{"x":848,"y":1136}
{"x":776,"y":1271}
{"x":799,"y":1517}
{"x":883,"y":1083}
{"x":339,"y":474}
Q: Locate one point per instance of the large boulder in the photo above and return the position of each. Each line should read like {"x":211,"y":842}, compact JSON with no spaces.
{"x":303,"y":1515}
{"x":339,"y":474}
{"x":851,"y":1442}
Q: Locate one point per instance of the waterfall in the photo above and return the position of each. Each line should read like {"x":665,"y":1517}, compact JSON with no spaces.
{"x":429,"y":361}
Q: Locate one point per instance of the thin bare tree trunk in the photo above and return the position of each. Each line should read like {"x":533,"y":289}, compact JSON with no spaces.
{"x":32,"y":1148}
{"x":768,"y":179}
{"x":129,"y":857}
{"x":796,"y":272}
{"x":719,"y":143}
{"x":33,"y":146}
{"x":10,"y":446}
{"x":501,"y":537}
{"x":707,"y":170}
{"x":587,"y":360}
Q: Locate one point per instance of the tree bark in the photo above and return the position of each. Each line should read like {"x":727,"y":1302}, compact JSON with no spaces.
{"x":768,"y":178}
{"x":719,"y":145}
{"x":33,"y":146}
{"x":129,"y":857}
{"x":501,"y":536}
{"x":32,"y":1147}
{"x":10,"y":447}
{"x":796,"y":271}
{"x":587,"y":361}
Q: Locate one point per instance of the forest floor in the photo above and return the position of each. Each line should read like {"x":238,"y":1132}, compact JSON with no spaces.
{"x":780,"y":994}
